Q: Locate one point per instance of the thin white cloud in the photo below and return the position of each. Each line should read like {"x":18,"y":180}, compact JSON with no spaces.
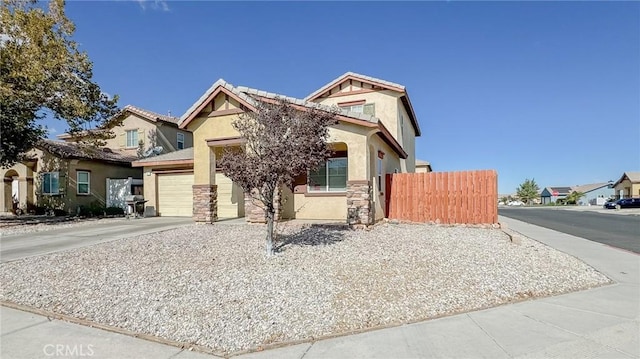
{"x":161,"y":5}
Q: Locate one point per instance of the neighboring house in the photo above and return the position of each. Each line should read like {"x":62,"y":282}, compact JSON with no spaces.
{"x":146,"y":127}
{"x":553,"y":194}
{"x":101,"y":175}
{"x":61,"y":175}
{"x":375,"y":136}
{"x":628,"y":185}
{"x":595,"y":193}
{"x":423,"y":166}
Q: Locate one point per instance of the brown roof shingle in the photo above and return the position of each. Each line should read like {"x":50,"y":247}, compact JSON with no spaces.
{"x":79,"y":151}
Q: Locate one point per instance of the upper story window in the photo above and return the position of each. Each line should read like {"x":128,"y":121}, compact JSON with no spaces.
{"x":401,"y":125}
{"x":50,"y":183}
{"x":83,"y":182}
{"x":180,"y":140}
{"x":331,"y":177}
{"x":366,"y":108}
{"x":132,"y":138}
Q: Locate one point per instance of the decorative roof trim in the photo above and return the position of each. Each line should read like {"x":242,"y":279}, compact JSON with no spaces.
{"x":219,"y":86}
{"x":162,"y":163}
{"x":358,"y":77}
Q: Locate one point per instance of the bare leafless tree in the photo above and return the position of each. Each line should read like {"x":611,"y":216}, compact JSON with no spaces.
{"x":283,"y":141}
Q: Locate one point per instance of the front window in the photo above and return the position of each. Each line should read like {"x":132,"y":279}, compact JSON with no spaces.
{"x":50,"y":183}
{"x":330,"y":177}
{"x":82,"y":180}
{"x":180,"y":140}
{"x":132,"y":138}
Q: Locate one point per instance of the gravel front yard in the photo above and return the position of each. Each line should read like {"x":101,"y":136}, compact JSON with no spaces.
{"x":213,"y":286}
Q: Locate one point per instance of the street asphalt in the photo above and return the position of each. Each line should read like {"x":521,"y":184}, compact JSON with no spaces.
{"x":621,"y":231}
{"x":602,"y":322}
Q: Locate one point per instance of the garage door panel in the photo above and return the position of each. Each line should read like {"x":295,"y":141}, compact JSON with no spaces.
{"x":175,"y":195}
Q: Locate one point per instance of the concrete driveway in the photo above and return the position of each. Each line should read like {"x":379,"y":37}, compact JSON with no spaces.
{"x":17,"y":246}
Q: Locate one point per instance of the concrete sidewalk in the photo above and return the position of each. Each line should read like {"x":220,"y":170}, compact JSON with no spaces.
{"x":599,"y":323}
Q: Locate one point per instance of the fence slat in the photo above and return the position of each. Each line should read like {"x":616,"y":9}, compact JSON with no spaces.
{"x":448,"y":197}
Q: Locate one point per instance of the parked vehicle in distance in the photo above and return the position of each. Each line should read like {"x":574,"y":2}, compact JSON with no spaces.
{"x":515,"y":203}
{"x":623,"y":203}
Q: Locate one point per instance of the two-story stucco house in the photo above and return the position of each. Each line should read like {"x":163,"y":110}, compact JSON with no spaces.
{"x":66,"y":175}
{"x":375,"y":136}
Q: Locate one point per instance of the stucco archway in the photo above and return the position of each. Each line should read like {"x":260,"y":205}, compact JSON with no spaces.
{"x":11,"y":191}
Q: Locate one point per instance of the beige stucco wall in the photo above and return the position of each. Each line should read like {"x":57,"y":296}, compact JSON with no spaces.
{"x":151,"y":133}
{"x":25,"y":179}
{"x":386,"y":106}
{"x":333,"y":208}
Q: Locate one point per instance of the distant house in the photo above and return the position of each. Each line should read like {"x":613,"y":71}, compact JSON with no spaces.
{"x":595,"y":193}
{"x":423,"y":166}
{"x":628,"y":185}
{"x":553,"y":194}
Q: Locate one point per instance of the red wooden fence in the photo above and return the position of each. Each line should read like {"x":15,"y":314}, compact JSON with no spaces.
{"x":469,"y":197}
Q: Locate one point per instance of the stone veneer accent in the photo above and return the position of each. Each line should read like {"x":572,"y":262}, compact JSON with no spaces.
{"x":359,"y":208}
{"x":253,"y":211}
{"x":205,"y":203}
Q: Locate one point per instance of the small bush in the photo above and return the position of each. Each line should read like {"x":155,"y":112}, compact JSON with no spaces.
{"x":59,"y":212}
{"x":114,"y":211}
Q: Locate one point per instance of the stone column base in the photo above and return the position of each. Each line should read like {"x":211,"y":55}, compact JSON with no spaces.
{"x":359,"y":206}
{"x":253,"y":209}
{"x":205,"y":203}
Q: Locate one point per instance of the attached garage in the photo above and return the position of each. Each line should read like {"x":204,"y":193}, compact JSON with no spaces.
{"x":175,"y":194}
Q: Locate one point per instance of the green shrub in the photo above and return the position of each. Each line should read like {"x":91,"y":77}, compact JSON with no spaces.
{"x":114,"y":211}
{"x":59,"y":212}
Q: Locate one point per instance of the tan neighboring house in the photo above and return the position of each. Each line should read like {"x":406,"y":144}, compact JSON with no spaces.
{"x":66,"y":175}
{"x":61,"y":175}
{"x":423,"y":166}
{"x":375,"y":136}
{"x":628,"y":186}
{"x":146,"y":127}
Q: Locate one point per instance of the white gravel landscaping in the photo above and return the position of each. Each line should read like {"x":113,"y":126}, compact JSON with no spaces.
{"x":212,"y":285}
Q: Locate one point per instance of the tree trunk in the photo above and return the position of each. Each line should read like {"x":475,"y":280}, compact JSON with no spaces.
{"x":270,"y":215}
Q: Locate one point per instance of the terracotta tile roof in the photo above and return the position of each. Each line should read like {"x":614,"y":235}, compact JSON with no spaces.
{"x":78,"y":151}
{"x":150,"y":115}
{"x":301,"y":102}
{"x":186,"y":154}
{"x":251,"y":96}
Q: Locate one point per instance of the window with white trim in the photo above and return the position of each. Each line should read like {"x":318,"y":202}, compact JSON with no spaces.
{"x":83,"y":182}
{"x":367,"y":109}
{"x":180,"y":140}
{"x":330,"y":177}
{"x":50,"y":183}
{"x":132,"y":138}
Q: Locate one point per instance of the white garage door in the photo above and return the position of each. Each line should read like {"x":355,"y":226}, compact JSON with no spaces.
{"x":230,"y":198}
{"x":175,"y":194}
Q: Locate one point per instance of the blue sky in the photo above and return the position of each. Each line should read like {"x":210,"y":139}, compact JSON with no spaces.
{"x":540,"y":90}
